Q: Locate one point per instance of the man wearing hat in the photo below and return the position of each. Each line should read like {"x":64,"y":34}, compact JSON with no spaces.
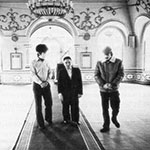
{"x":69,"y":91}
{"x":108,"y":74}
{"x":41,"y":87}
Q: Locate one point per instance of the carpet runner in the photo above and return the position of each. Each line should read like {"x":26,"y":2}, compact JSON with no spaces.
{"x":57,"y":136}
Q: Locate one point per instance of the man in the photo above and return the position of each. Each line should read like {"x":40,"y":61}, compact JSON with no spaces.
{"x":108,"y":75}
{"x":70,"y":90}
{"x":41,"y":87}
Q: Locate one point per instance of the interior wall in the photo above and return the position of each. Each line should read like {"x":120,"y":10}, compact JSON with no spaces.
{"x":93,"y":18}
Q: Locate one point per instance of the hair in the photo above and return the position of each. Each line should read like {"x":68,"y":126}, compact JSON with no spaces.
{"x":41,"y":48}
{"x":67,"y":57}
{"x":107,"y":50}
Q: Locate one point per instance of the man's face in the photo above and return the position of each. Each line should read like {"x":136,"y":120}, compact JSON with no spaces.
{"x":67,"y":63}
{"x":42,"y":55}
{"x":108,"y":56}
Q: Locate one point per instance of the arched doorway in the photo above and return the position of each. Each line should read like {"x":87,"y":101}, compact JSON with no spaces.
{"x":58,"y":40}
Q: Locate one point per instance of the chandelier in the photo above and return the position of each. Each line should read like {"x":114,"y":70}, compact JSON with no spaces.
{"x":50,"y":7}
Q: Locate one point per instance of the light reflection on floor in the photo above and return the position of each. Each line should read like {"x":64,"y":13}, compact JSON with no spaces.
{"x":134,"y":117}
{"x":15,"y":102}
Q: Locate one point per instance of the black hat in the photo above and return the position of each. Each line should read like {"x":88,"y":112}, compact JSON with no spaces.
{"x":41,"y":48}
{"x":67,"y":57}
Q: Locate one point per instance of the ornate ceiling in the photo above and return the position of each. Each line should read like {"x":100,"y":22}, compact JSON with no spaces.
{"x":76,"y":1}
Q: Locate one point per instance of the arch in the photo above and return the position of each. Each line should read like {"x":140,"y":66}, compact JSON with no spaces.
{"x":145,"y":46}
{"x":57,"y":22}
{"x":116,"y":29}
{"x":55,"y":42}
{"x":49,"y":21}
{"x":141,"y":26}
{"x":116,"y":24}
{"x":50,"y":35}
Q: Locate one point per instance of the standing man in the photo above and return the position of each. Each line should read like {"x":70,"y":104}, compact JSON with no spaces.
{"x":108,"y":75}
{"x":41,"y":87}
{"x":69,"y":91}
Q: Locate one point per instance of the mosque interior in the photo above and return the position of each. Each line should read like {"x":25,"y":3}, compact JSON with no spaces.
{"x":80,"y":29}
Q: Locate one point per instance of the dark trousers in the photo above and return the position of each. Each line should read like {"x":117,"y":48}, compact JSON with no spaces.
{"x":46,"y":94}
{"x":113,"y":98}
{"x":70,"y":109}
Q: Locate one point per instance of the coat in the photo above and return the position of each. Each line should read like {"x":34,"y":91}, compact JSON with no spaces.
{"x":70,"y":87}
{"x":111,"y":72}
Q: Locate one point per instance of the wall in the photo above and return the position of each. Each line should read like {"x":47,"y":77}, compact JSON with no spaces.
{"x":94,"y":18}
{"x":139,"y":20}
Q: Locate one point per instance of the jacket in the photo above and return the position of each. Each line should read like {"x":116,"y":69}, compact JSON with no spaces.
{"x":109,"y":72}
{"x":70,"y":86}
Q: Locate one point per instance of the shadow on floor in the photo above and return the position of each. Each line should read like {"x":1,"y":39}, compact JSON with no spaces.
{"x":58,"y":136}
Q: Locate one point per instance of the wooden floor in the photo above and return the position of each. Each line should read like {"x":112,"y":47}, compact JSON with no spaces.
{"x":134,"y":116}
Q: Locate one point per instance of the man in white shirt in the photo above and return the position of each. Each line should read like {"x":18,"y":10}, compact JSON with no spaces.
{"x":41,"y":76}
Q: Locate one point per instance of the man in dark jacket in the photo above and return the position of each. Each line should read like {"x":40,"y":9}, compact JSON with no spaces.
{"x":108,"y":75}
{"x":69,"y":91}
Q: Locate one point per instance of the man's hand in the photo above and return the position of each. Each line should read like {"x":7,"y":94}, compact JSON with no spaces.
{"x":44,"y":84}
{"x":107,"y":86}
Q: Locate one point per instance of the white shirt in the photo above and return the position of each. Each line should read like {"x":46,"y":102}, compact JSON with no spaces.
{"x":69,"y":71}
{"x":113,"y":59}
{"x":40,"y":71}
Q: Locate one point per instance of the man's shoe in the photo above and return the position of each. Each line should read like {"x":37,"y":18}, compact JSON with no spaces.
{"x":78,"y":123}
{"x":74,"y":123}
{"x":50,"y":123}
{"x":115,"y":122}
{"x":104,"y":130}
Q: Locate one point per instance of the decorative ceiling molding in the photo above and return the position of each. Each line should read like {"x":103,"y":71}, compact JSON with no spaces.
{"x":75,"y":1}
{"x":13,"y":1}
{"x":89,"y":20}
{"x":144,"y":4}
{"x":12,"y":21}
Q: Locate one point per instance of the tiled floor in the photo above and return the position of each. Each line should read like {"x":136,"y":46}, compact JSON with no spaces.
{"x":134,"y":115}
